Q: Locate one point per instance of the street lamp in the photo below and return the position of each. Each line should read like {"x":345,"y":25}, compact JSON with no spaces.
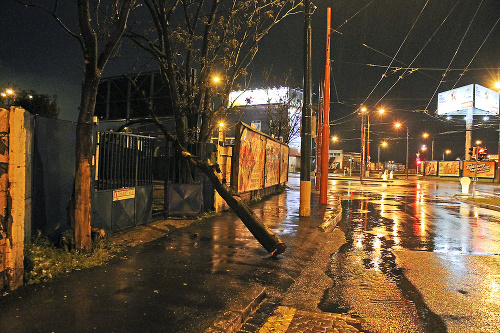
{"x":383,"y":144}
{"x":425,"y":136}
{"x":407,"y":135}
{"x":447,"y":152}
{"x":368,"y":159}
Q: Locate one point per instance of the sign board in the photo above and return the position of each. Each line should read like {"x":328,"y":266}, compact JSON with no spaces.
{"x":449,"y":168}
{"x":485,"y":169}
{"x":455,"y":100}
{"x":431,"y":168}
{"x":122,"y":194}
{"x":282,"y":95}
{"x":486,"y":100}
{"x":473,"y":97}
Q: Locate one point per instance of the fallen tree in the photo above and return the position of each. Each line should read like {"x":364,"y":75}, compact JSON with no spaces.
{"x":264,"y":235}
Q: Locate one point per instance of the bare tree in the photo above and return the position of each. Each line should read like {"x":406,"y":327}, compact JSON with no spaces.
{"x":195,"y":41}
{"x":101,"y":25}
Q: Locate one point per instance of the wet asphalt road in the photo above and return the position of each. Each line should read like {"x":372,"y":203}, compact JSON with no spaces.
{"x":415,"y":260}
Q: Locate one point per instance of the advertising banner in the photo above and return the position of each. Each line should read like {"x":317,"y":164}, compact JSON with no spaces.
{"x":251,"y":161}
{"x":485,"y":169}
{"x":452,"y":101}
{"x":284,"y":164}
{"x":431,"y":168}
{"x":272,"y":163}
{"x":449,"y":168}
{"x":486,"y":99}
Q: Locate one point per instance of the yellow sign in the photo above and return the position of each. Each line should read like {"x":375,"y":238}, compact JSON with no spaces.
{"x":126,"y":193}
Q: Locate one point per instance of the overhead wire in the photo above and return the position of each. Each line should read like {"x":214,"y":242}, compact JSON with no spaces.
{"x":397,"y":52}
{"x":477,"y":51}
{"x":454,"y":55}
{"x":421,"y":50}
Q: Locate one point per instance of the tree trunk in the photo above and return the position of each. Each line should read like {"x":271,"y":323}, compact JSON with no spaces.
{"x":83,"y":178}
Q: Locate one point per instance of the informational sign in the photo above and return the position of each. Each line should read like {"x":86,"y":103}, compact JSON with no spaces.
{"x":431,"y":168}
{"x":455,"y":100}
{"x":486,"y":99}
{"x":449,"y":168}
{"x":485,"y":169}
{"x":123,"y":194}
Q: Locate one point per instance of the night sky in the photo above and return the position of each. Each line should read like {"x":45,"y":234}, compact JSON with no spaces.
{"x":369,"y":36}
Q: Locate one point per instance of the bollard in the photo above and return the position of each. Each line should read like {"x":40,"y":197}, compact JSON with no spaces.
{"x":465,"y":181}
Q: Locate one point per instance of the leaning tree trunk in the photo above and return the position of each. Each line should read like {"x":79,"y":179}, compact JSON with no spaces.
{"x":259,"y":230}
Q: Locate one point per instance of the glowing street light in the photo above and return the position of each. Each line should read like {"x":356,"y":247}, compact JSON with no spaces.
{"x":335,"y":139}
{"x":383,"y":144}
{"x":447,"y":152}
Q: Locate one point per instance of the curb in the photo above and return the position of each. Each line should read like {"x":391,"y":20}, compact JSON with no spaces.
{"x":333,"y":220}
{"x":478,"y":204}
{"x":232,"y":319}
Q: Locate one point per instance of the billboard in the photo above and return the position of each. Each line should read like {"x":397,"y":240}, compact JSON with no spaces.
{"x":485,"y":169}
{"x":449,"y":168}
{"x":255,"y":97}
{"x":455,"y":100}
{"x":486,"y":99}
{"x":481,"y":100}
{"x":431,"y":168}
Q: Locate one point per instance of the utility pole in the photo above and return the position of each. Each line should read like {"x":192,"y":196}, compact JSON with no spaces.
{"x":325,"y":158}
{"x":362,"y":159}
{"x":305,"y":150}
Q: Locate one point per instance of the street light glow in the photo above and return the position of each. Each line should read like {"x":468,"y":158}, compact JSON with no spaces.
{"x":425,"y":135}
{"x":335,"y":138}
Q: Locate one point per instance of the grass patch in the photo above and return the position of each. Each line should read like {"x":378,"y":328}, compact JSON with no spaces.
{"x":43,"y":260}
{"x":488,"y":201}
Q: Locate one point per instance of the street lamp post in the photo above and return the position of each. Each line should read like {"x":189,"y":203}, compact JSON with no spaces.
{"x":407,"y":137}
{"x":362,"y":159}
{"x":383,"y":144}
{"x":447,"y":152}
{"x":426,"y":135}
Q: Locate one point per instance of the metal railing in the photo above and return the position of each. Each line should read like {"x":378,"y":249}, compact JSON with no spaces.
{"x":123,"y":160}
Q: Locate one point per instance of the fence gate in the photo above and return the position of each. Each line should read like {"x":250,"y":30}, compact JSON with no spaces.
{"x":123,"y":191}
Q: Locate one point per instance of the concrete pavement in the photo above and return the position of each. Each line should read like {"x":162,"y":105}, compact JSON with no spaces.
{"x":190,"y":276}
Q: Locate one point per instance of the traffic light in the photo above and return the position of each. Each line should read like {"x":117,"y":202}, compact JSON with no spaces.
{"x":473,"y":152}
{"x":481,"y":154}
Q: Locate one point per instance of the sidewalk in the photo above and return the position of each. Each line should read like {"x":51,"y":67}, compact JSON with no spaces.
{"x":192,"y":276}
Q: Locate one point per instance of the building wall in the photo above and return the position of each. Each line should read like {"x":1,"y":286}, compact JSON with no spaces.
{"x":13,"y":204}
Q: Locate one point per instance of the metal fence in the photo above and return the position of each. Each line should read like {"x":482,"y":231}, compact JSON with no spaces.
{"x":123,"y":160}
